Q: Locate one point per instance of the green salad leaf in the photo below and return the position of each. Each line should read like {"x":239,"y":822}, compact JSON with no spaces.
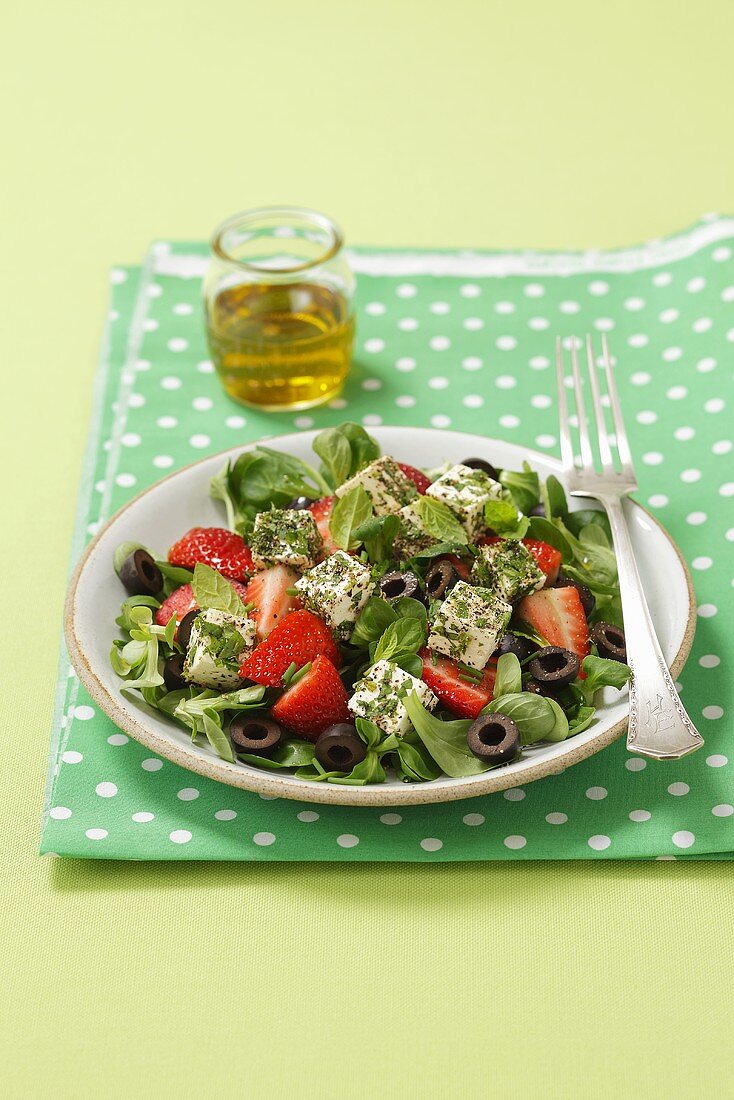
{"x":503,"y":517}
{"x":601,"y":672}
{"x":349,"y":512}
{"x":261,"y":479}
{"x":378,"y":535}
{"x":291,"y":753}
{"x":402,"y":639}
{"x":439,"y":521}
{"x":445,"y":741}
{"x":344,"y":451}
{"x":212,"y":590}
{"x":215,"y":735}
{"x":553,"y":497}
{"x":509,"y":675}
{"x":416,"y":763}
{"x":536,"y":717}
{"x":523,"y":486}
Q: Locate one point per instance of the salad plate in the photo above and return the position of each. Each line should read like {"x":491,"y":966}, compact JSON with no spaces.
{"x":159,"y":516}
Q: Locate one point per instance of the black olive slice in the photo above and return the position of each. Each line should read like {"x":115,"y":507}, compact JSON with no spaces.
{"x":339,"y":748}
{"x":512,"y":643}
{"x":259,"y":736}
{"x":298,"y":504}
{"x":482,"y":464}
{"x":554,"y":666}
{"x":173,"y":676}
{"x":140,"y":574}
{"x":588,"y":599}
{"x":610,"y":642}
{"x":441,"y":578}
{"x":183,"y":634}
{"x":396,"y":584}
{"x":494,"y":738}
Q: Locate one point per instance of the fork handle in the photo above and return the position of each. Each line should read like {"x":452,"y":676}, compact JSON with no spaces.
{"x":659,"y":726}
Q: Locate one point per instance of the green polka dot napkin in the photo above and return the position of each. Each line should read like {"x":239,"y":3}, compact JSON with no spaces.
{"x":461,"y":339}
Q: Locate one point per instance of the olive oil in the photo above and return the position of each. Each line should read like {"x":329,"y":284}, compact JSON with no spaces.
{"x":280,"y":346}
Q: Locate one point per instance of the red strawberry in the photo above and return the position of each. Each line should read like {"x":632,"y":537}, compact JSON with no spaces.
{"x":221,"y":549}
{"x":463,"y":568}
{"x":317,"y":700}
{"x":297,"y":639}
{"x":268,"y":591}
{"x":456,"y":691}
{"x":181,"y":601}
{"x":547,"y":557}
{"x":321,"y":512}
{"x":558,"y":614}
{"x":418,"y":478}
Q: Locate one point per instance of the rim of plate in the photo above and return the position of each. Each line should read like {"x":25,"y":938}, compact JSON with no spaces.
{"x":302,"y":790}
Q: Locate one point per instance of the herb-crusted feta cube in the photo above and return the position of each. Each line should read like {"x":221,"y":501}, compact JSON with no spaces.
{"x":337,"y":589}
{"x":285,"y":537}
{"x":469,"y":624}
{"x":218,"y":644}
{"x":466,"y":491}
{"x":413,"y":536}
{"x":385,"y":484}
{"x":379,"y":696}
{"x":509,"y":569}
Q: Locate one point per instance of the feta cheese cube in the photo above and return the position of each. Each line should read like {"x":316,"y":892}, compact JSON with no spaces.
{"x":337,"y":589}
{"x":385,"y":484}
{"x":466,"y":491}
{"x":412,"y":536}
{"x":507,"y":568}
{"x":285,"y":537}
{"x":379,"y":696}
{"x":218,"y":644}
{"x":469,"y":624}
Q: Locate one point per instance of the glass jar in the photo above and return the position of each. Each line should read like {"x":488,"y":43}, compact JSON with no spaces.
{"x":278,"y":302}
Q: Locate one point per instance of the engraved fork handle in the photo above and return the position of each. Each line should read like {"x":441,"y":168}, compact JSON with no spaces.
{"x":658,"y":724}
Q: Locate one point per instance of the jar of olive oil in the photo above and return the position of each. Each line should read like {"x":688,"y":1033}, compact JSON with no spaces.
{"x":278,"y":302}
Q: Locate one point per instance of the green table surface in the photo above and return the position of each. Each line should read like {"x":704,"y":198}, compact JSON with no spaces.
{"x":480,"y":123}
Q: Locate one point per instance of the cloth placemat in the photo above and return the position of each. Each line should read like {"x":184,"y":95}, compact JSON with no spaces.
{"x":459,"y":339}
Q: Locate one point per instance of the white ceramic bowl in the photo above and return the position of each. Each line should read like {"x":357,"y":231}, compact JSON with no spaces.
{"x":158,"y":516}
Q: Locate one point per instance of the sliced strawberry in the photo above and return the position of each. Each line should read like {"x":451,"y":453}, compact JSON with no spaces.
{"x":558,"y":615}
{"x":297,"y":639}
{"x":463,"y":568}
{"x":215,"y":546}
{"x":181,"y":601}
{"x":268,"y":591}
{"x":321,"y":512}
{"x":458,"y":692}
{"x":418,"y":478}
{"x":548,"y":558}
{"x":317,"y":700}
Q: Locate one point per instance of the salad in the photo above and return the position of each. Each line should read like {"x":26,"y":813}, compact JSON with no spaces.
{"x":359,"y":616}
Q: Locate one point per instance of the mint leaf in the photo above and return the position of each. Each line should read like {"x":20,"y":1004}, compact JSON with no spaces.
{"x":504,"y":518}
{"x":532,"y":714}
{"x":349,"y":513}
{"x":402,"y":638}
{"x":344,"y":451}
{"x":212,"y":590}
{"x":439,"y":521}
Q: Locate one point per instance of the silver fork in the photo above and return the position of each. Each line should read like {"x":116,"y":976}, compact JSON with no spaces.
{"x":658,"y":724}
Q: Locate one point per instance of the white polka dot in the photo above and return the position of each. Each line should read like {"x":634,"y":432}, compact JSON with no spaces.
{"x":690,"y":476}
{"x":729,"y":535}
{"x":374,"y":345}
{"x":170,"y":382}
{"x":635,"y":764}
{"x":117,"y":275}
{"x":539,"y":362}
{"x":440,"y":308}
{"x":136,"y":400}
{"x":150,"y":324}
{"x":696,"y":518}
{"x":371,"y":384}
{"x":717,"y":760}
{"x":599,"y":842}
{"x":556,"y":818}
{"x":100,"y":486}
{"x":596,"y":793}
{"x":683,"y":839}
{"x":634,"y":304}
{"x":235,"y":422}
{"x":703,"y":366}
{"x":472,"y":362}
{"x":663,"y":278}
{"x":721,"y":254}
{"x":723,"y":810}
{"x":541,"y":401}
{"x":715,"y":405}
{"x":640,"y":815}
{"x":473,"y":401}
{"x":431,"y":844}
{"x":671,"y":355}
{"x":162,"y":462}
{"x":470,"y":290}
{"x":118,"y":739}
{"x":337,"y":403}
{"x":702,"y":563}
{"x":440,"y":343}
{"x":390,"y":819}
{"x":709,"y":660}
{"x":727,"y":294}
{"x":440,"y":420}
{"x":712,"y":712}
{"x":505,"y":382}
{"x":676,"y":393}
{"x":538,"y":324}
{"x":684,"y":434}
{"x":405,"y":401}
{"x":604,"y":324}
{"x":545,"y":440}
{"x":180,"y":836}
{"x":303,"y":422}
{"x":375,"y":309}
{"x":84,"y":713}
{"x":142,"y":817}
{"x":205,"y":366}
{"x":515,"y":842}
{"x":142,"y":365}
{"x":150,"y":764}
{"x":199,"y":441}
{"x":167,"y":422}
{"x":438,"y":383}
{"x":598,"y":287}
{"x":473,"y":324}
{"x":225,"y":815}
{"x":406,"y":290}
{"x":96,"y":834}
{"x":106,"y":790}
{"x":188,"y":794}
{"x":703,"y":324}
{"x":202,"y":404}
{"x":183,"y":309}
{"x":665,"y":857}
{"x":307,"y":815}
{"x":514,"y":794}
{"x":114,"y":315}
{"x":59,"y":813}
{"x":678,"y":789}
{"x":93,"y":528}
{"x":638,"y":340}
{"x":707,"y":610}
{"x":506,"y":343}
{"x":669,"y":315}
{"x":405,"y":364}
{"x":509,"y":421}
{"x":125,"y":481}
{"x":534,"y":290}
{"x":177,"y":343}
{"x":504,"y":307}
{"x":263,"y":840}
{"x":71,"y":757}
{"x":268,"y":797}
{"x":407,"y":324}
{"x":646,"y":417}
{"x":130,"y":439}
{"x":640,"y":378}
{"x":727,"y":489}
{"x":473,"y":819}
{"x":569,"y":307}
{"x":347,"y":840}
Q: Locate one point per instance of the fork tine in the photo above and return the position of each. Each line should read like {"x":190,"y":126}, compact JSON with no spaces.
{"x":601,"y":426}
{"x":587,"y":456}
{"x":565,"y":430}
{"x":625,"y":455}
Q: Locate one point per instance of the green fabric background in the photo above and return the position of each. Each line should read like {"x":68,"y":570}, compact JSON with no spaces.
{"x":487,"y":124}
